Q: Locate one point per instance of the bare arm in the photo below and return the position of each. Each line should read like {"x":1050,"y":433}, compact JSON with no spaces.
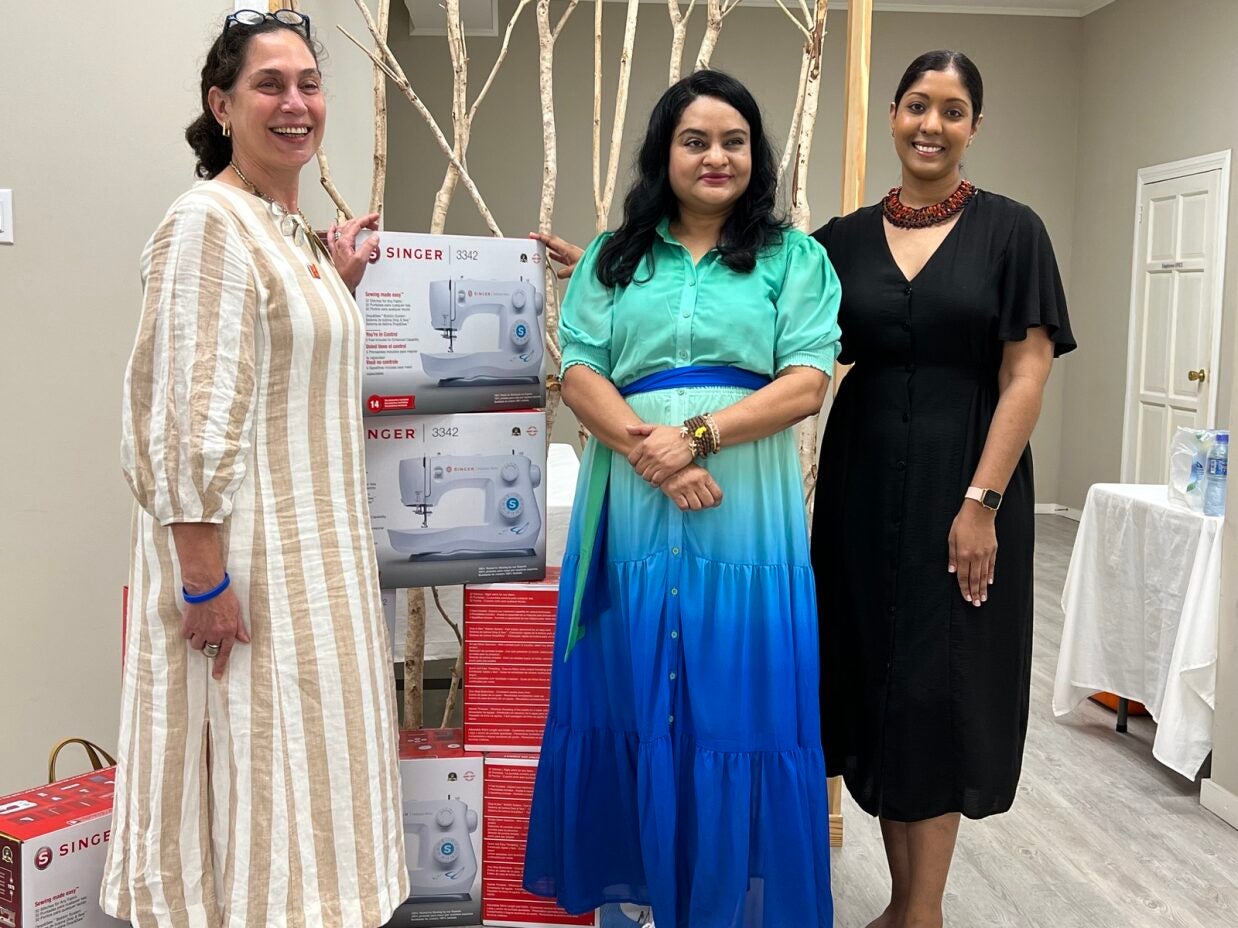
{"x":1021,"y":386}
{"x":216,"y":621}
{"x":795,"y":394}
{"x":599,"y":407}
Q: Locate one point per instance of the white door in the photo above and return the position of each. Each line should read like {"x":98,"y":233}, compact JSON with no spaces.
{"x":1175,"y":314}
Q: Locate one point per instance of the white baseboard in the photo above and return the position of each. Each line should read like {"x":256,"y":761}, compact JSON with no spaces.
{"x":1219,"y":801}
{"x":1055,"y":509}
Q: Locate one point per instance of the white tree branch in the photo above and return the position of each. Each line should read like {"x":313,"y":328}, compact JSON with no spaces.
{"x":397,"y":76}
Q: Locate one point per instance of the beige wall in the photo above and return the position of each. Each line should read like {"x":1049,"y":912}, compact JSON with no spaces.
{"x":93,"y":109}
{"x":1026,"y":149}
{"x":1157,"y":85}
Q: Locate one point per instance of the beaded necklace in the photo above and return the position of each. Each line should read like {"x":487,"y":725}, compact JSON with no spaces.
{"x":906,"y":217}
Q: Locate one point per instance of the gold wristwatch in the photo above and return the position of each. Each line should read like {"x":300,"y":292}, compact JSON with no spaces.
{"x":989,"y":499}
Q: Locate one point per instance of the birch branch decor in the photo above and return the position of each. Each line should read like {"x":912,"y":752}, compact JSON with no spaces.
{"x":385,"y":60}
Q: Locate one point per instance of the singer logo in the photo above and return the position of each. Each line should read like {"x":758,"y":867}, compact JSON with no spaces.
{"x":414,"y":254}
{"x":85,"y":844}
{"x":398,"y":434}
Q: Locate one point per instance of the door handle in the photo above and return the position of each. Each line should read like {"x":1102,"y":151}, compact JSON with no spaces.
{"x":1198,"y":376}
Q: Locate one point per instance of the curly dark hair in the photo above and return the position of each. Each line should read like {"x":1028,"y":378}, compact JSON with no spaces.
{"x":754,"y":223}
{"x":223,"y":63}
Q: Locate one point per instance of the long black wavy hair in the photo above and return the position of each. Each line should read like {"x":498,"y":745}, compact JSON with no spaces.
{"x":223,"y":65}
{"x":754,"y":223}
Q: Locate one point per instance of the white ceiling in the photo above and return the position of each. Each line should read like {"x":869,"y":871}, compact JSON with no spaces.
{"x":480,"y":16}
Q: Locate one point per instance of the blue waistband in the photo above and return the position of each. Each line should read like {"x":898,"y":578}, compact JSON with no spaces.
{"x":699,"y":375}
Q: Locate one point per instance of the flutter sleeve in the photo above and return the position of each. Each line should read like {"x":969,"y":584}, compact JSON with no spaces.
{"x":190,"y":387}
{"x":1031,"y":286}
{"x":806,"y":323}
{"x":585,"y":319}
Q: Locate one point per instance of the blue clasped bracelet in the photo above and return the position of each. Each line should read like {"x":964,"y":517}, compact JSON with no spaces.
{"x":209,"y":594}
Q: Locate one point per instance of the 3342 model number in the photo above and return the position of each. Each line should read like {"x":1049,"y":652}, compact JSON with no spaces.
{"x":462,"y":255}
{"x":444,"y":432}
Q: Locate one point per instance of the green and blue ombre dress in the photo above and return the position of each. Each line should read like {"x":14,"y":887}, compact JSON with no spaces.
{"x":681,"y":765}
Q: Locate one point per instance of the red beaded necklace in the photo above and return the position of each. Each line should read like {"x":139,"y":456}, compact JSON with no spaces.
{"x":905,"y":217}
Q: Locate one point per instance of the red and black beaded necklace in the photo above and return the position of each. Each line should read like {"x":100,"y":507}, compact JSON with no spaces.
{"x":905,"y":217}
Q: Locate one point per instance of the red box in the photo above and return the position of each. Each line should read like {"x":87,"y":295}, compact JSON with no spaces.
{"x":508,"y":787}
{"x":509,"y":635}
{"x":53,"y":842}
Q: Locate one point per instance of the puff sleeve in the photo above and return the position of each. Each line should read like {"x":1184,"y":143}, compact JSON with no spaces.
{"x":806,"y":331}
{"x":585,"y":319}
{"x":1031,"y":292}
{"x":190,"y":387}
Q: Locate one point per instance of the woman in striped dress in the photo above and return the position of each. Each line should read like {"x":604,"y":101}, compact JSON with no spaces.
{"x":257,"y":782}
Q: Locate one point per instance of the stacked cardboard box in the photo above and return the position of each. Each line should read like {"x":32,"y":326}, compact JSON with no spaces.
{"x":53,"y":842}
{"x":455,"y":335}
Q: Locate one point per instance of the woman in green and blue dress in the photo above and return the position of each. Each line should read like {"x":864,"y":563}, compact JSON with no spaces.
{"x":682,"y":765}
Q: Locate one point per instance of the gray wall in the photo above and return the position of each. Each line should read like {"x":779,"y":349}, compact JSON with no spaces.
{"x":1026,"y":148}
{"x":1158,"y":85}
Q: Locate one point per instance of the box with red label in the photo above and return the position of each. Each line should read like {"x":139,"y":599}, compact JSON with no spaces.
{"x":454,"y":324}
{"x":53,"y":842}
{"x":509,"y":635}
{"x":509,"y":796}
{"x":457,"y":499}
{"x":441,"y":798}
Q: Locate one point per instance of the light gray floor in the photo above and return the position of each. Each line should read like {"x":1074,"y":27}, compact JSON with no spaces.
{"x":1100,"y":836}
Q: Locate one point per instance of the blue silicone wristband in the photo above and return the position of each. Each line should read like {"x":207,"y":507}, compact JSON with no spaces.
{"x":209,"y":594}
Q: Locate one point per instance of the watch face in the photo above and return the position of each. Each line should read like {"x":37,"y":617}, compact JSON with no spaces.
{"x":991,"y":498}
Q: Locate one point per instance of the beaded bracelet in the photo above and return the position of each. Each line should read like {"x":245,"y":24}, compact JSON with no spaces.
{"x":702,"y":435}
{"x":195,"y":598}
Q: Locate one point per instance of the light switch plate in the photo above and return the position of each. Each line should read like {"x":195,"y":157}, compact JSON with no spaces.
{"x":6,"y":217}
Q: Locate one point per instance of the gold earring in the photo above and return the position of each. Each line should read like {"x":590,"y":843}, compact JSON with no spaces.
{"x":228,"y":131}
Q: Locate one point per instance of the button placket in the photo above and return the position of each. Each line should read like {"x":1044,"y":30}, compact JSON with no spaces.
{"x":687,"y":308}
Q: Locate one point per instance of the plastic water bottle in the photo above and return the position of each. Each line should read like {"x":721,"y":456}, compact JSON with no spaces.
{"x":1216,"y":471}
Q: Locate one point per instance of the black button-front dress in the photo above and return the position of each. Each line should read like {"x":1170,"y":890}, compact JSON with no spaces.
{"x":924,"y":697}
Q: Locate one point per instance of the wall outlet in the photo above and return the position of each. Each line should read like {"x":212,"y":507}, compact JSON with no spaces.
{"x":6,"y":217}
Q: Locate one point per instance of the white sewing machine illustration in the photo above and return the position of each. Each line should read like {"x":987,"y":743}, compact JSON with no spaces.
{"x":517,"y":303}
{"x":441,"y":862}
{"x":512,"y":519}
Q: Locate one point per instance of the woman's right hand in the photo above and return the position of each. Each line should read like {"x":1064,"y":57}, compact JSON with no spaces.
{"x":216,"y":621}
{"x":692,"y":488}
{"x":561,"y":251}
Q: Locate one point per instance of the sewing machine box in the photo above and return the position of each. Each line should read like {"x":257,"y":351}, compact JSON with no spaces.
{"x":454,"y":324}
{"x":509,"y":797}
{"x":457,"y":499}
{"x":509,"y":637}
{"x":441,"y":792}
{"x":53,"y":841}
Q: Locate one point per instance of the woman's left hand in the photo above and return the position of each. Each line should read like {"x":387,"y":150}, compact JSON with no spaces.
{"x":973,"y":550}
{"x":662,"y":453}
{"x":349,"y":260}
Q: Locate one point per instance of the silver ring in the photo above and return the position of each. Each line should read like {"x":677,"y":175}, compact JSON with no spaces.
{"x":210,"y":650}
{"x":336,"y":236}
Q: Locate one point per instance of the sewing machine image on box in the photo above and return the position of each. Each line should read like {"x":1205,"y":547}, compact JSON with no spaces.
{"x":518,"y":358}
{"x":512,"y":520}
{"x":441,"y":862}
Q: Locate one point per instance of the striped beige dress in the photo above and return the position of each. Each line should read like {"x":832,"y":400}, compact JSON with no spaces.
{"x":272,"y":797}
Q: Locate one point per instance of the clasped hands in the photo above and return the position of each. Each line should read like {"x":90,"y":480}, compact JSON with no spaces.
{"x":665,"y":460}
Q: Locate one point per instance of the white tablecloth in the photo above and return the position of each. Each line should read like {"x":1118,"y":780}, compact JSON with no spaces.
{"x":1142,"y":603}
{"x":562,"y":468}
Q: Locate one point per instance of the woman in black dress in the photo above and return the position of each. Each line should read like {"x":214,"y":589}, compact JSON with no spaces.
{"x":952,"y":313}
